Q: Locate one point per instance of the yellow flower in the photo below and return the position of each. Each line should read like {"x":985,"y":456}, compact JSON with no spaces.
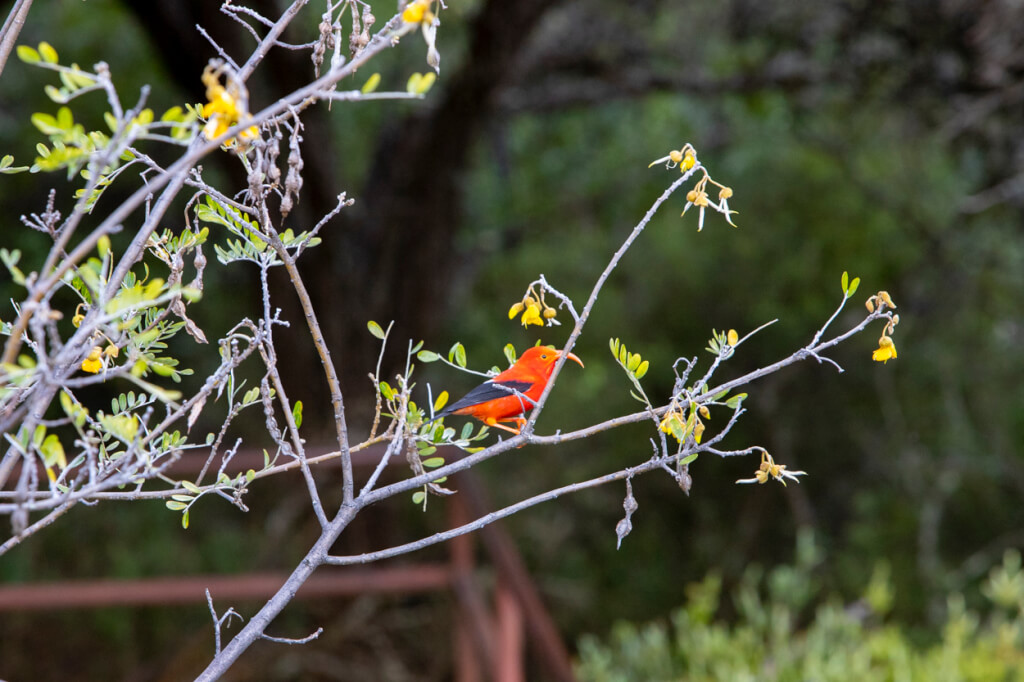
{"x":732,"y":338}
{"x":723,"y":204}
{"x":534,"y":309}
{"x":770,"y":469}
{"x":418,"y":12}
{"x":226,"y":108}
{"x":697,"y":197}
{"x":93,"y":363}
{"x":675,"y":423}
{"x":886,"y":350}
{"x":685,"y":158}
{"x":532,"y":316}
{"x":670,"y":418}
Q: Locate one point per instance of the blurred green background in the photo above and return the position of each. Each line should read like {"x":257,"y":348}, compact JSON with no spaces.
{"x":882,"y":138}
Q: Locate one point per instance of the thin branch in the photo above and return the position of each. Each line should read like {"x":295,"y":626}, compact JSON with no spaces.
{"x":220,"y":50}
{"x":532,"y":439}
{"x":37,"y":526}
{"x":270,"y":39}
{"x":253,"y":630}
{"x":612,"y":264}
{"x":490,"y":518}
{"x":219,"y":622}
{"x":289,"y":640}
{"x":12,"y":29}
{"x":340,"y":424}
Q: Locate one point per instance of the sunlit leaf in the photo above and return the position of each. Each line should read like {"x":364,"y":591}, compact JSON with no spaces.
{"x":47,"y":52}
{"x":29,"y":55}
{"x":371,"y":84}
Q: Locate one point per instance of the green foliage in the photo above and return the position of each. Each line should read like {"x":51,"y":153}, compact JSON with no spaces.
{"x":510,"y":353}
{"x":371,"y":84}
{"x":7,"y":165}
{"x":10,"y":260}
{"x":634,"y":365}
{"x":418,"y":83}
{"x":838,"y":643}
{"x":72,"y":147}
{"x":250,"y":245}
{"x":849,"y":288}
{"x":457,"y":354}
{"x":719,"y":344}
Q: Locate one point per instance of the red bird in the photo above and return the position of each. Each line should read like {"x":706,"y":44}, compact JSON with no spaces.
{"x":511,"y":394}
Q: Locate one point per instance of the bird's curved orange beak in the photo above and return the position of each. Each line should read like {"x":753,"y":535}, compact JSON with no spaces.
{"x":572,"y":356}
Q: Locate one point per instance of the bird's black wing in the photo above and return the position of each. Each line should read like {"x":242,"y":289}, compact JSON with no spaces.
{"x":489,"y":390}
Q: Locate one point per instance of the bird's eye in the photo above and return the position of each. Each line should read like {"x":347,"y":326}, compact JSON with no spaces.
{"x":544,"y":356}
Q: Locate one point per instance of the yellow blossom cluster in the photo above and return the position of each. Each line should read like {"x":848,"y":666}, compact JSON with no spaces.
{"x":98,"y":356}
{"x":886,"y":348}
{"x":534,"y":309}
{"x":680,"y":423}
{"x":226,"y":107}
{"x":686,"y":159}
{"x":771,"y":469}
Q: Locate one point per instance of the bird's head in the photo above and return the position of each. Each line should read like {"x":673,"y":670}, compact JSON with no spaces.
{"x":543,"y":358}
